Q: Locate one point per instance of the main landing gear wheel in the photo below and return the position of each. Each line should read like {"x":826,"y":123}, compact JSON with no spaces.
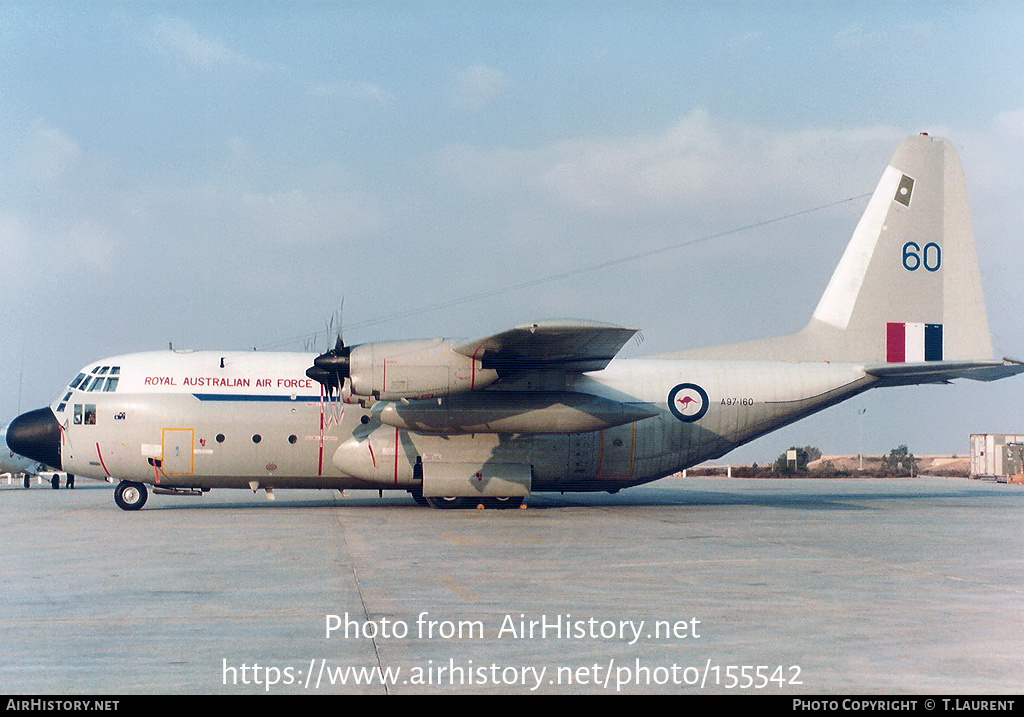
{"x":451,"y":502}
{"x":130,"y":495}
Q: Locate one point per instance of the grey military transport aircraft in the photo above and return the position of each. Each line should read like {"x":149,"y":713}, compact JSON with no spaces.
{"x":540,"y":407}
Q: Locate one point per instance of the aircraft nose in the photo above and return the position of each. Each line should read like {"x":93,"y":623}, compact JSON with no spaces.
{"x":36,"y":435}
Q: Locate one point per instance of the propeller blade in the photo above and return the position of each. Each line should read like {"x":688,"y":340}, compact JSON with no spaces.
{"x":340,"y":342}
{"x":331,"y":368}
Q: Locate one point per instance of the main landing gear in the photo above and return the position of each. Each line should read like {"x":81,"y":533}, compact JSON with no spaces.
{"x":130,"y":495}
{"x":454,"y":502}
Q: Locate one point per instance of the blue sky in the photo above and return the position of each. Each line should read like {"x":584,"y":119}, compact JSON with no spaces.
{"x":221,"y":175}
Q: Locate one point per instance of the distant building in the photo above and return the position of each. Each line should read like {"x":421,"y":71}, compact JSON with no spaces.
{"x":997,"y":456}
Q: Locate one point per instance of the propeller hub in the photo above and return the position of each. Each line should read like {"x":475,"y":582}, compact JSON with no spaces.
{"x":331,"y":368}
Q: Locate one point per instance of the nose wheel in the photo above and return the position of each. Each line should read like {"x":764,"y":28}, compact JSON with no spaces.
{"x":129,"y":495}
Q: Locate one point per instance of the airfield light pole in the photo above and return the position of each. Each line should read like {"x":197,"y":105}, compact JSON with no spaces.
{"x":861,"y":413}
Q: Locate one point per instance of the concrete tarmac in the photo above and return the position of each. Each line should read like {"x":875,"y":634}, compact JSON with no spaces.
{"x":687,"y":586}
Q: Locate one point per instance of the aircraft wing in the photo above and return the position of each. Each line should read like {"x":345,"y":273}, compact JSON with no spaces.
{"x":574,"y":346}
{"x":557,"y":346}
{"x":905,"y":374}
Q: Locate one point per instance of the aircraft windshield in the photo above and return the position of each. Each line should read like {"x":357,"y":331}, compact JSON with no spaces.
{"x":101,"y":378}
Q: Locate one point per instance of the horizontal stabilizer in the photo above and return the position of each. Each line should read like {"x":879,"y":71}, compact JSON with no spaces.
{"x":906,"y":374}
{"x":575,"y":346}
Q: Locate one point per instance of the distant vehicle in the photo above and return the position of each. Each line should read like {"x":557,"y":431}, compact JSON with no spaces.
{"x":540,"y":407}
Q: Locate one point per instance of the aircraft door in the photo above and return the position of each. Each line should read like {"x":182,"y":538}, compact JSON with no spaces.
{"x":178,"y":451}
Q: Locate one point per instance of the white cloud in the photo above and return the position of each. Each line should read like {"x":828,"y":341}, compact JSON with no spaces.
{"x":694,"y":161}
{"x":91,"y":241}
{"x":357,"y":91}
{"x":744,"y":41}
{"x":180,"y":41}
{"x":50,"y":153}
{"x":33,"y":243}
{"x":856,"y":38}
{"x":303,"y":216}
{"x":1010,"y":124}
{"x":477,"y":86}
{"x":14,"y":238}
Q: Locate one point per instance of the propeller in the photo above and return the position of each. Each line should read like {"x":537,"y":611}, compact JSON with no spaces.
{"x":331,"y":368}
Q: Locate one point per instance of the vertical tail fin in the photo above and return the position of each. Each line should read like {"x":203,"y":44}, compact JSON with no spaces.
{"x":908,"y":288}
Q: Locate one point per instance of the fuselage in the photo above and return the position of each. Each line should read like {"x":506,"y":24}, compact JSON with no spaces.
{"x":210,"y":419}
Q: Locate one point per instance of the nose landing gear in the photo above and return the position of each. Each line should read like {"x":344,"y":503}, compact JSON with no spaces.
{"x":129,"y":495}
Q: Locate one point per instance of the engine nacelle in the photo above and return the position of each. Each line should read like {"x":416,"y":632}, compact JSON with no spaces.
{"x":414,"y":369}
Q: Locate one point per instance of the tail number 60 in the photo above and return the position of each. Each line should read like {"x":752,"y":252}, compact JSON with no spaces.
{"x":914,"y":257}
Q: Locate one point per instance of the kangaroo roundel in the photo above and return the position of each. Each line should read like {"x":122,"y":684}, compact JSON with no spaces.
{"x":688,"y":402}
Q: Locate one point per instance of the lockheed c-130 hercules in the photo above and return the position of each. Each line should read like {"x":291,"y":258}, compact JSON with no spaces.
{"x":540,"y":407}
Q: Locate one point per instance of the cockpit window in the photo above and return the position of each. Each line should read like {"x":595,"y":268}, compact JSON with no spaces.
{"x":84,"y":414}
{"x":101,"y":378}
